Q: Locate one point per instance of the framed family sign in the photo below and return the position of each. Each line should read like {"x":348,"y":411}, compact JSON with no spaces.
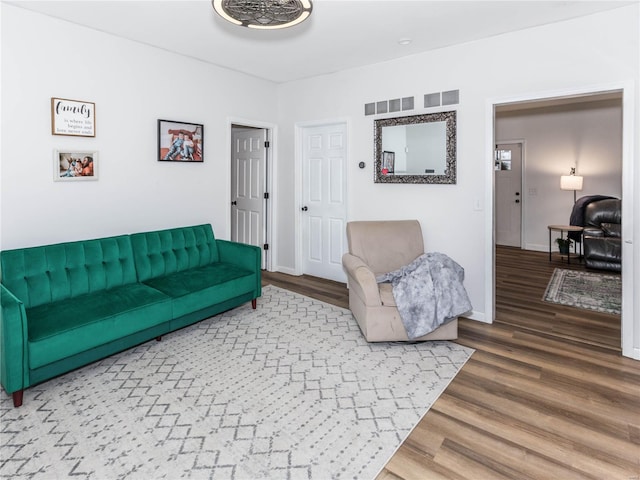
{"x":73,"y":117}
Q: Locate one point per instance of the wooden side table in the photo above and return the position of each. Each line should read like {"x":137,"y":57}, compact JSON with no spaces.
{"x":562,"y":229}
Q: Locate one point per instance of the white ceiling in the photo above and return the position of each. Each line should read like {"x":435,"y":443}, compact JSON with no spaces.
{"x":340,"y":34}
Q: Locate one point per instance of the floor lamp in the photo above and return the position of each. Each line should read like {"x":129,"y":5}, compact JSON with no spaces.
{"x":571,"y":182}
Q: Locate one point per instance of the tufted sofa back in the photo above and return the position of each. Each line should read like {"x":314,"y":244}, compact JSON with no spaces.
{"x":46,"y":274}
{"x":163,"y":252}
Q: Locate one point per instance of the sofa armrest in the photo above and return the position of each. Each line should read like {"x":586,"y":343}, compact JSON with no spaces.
{"x":245,"y":256}
{"x":362,"y":279}
{"x":14,"y":370}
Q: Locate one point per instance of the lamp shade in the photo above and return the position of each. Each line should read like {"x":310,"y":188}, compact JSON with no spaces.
{"x":571,"y":182}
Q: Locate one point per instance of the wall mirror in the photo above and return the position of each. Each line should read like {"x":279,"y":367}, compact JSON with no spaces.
{"x":416,"y":149}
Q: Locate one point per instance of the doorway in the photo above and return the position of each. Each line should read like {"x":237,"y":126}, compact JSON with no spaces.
{"x":249,"y":195}
{"x":630,"y":328}
{"x":323,"y":196}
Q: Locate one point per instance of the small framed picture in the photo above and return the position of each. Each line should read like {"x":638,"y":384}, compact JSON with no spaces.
{"x":75,"y":165}
{"x":388,"y":162}
{"x":180,"y":141}
{"x":73,"y":117}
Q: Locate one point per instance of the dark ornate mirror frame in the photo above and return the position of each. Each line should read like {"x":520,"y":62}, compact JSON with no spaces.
{"x":450,"y":171}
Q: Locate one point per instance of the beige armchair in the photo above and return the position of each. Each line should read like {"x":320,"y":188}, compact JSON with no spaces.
{"x":378,"y":247}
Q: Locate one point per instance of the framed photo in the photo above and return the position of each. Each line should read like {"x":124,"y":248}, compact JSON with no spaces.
{"x":75,"y":165}
{"x":180,"y":141}
{"x":388,"y":162}
{"x":73,"y":117}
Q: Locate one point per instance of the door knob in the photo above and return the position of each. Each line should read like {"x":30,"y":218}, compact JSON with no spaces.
{"x":517,"y":201}
{"x":517,"y":193}
{"x":234,"y":203}
{"x":305,"y":208}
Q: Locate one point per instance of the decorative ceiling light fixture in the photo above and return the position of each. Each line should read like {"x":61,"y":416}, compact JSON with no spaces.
{"x":263,"y":14}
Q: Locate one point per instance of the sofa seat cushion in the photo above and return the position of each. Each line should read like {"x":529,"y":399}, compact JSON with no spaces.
{"x":199,"y":288}
{"x":61,"y":329}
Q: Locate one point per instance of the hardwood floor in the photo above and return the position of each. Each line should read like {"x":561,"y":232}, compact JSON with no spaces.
{"x":546,"y":395}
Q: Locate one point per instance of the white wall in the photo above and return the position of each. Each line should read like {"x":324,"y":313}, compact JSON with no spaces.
{"x":587,"y":136}
{"x":133,"y":86}
{"x":547,"y":58}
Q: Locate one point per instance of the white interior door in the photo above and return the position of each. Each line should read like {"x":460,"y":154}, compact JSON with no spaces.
{"x":248,"y":186}
{"x":508,"y":191}
{"x":324,"y":211}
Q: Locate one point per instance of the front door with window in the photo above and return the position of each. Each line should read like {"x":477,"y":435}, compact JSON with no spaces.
{"x":508,"y":194}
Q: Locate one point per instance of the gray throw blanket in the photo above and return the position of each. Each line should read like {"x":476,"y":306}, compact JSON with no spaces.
{"x":428,"y":292}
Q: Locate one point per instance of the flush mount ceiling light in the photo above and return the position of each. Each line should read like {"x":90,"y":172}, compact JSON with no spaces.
{"x":263,"y":14}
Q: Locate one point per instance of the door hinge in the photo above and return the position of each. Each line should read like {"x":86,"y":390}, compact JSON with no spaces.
{"x":266,"y":195}
{"x":266,"y":246}
{"x":267,"y":144}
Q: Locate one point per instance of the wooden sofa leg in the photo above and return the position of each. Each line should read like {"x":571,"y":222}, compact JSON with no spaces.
{"x":158,"y":339}
{"x":254,"y":303}
{"x":17,"y":398}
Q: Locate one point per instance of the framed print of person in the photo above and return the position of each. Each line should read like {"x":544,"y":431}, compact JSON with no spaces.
{"x":75,"y":165}
{"x":180,"y":141}
{"x":388,"y":162}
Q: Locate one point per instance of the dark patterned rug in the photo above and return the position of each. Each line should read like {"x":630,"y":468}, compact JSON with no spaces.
{"x":289,"y":390}
{"x":590,"y":290}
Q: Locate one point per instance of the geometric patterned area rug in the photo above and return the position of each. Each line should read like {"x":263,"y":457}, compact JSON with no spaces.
{"x":289,"y":390}
{"x":593,"y":291}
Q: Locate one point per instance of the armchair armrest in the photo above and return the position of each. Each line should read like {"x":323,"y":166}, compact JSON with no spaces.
{"x":14,"y":371}
{"x":612,"y":229}
{"x":592,"y":232}
{"x":245,"y":256}
{"x":362,"y":279}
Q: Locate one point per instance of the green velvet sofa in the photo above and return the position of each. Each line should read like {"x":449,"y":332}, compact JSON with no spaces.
{"x":66,"y":305}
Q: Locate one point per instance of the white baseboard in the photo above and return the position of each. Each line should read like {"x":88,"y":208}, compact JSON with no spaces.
{"x":536,"y":247}
{"x":477,"y":316}
{"x":286,"y":270}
